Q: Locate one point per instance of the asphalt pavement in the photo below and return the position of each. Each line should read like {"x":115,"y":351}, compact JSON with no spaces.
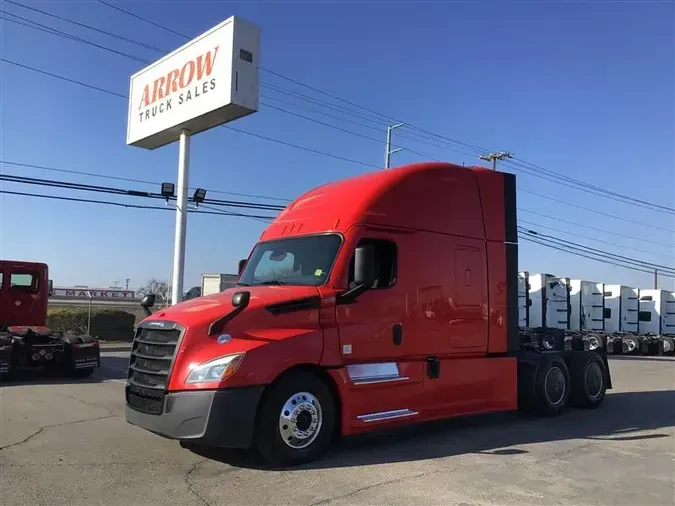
{"x":68,"y":444}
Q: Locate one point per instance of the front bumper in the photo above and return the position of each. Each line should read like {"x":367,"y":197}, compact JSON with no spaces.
{"x":224,"y":418}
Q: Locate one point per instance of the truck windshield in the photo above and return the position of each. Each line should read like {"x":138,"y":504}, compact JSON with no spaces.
{"x":294,"y":261}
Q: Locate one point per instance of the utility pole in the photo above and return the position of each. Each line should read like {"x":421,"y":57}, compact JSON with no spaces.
{"x":126,"y":282}
{"x":388,"y":151}
{"x":493,"y":157}
{"x":656,"y":279}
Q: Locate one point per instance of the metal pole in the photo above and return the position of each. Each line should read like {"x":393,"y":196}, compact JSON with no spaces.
{"x":181,"y":217}
{"x":656,"y":279}
{"x":89,"y":317}
{"x":387,"y":149}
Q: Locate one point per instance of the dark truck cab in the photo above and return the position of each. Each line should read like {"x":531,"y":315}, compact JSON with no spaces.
{"x":370,"y":302}
{"x":25,"y":340}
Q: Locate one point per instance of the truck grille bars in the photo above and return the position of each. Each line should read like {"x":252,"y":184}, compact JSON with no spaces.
{"x":152,"y":355}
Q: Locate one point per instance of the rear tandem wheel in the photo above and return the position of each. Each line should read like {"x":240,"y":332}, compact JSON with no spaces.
{"x":543,"y":384}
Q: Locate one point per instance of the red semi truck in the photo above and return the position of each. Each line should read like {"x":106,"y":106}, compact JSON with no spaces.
{"x":370,"y":302}
{"x":25,"y":341}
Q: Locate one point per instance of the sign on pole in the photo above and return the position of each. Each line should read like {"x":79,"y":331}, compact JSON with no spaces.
{"x":211,"y":80}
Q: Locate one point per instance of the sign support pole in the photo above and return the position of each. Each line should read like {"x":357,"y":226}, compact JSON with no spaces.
{"x":181,"y":217}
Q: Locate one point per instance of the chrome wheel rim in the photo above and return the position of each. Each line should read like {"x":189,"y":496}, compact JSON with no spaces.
{"x":300,"y":420}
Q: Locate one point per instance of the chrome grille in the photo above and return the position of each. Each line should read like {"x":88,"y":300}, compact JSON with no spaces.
{"x":152,"y":355}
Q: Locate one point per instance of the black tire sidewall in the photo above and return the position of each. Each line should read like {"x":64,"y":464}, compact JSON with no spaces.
{"x":543,"y":402}
{"x":268,"y":437}
{"x":578,"y":371}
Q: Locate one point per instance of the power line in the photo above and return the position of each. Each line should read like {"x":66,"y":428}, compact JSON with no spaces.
{"x":142,"y":18}
{"x":613,"y":216}
{"x":88,"y":27}
{"x":604,"y":261}
{"x":522,"y":166}
{"x":567,"y":246}
{"x":54,"y":31}
{"x":267,"y":138}
{"x":130,"y":180}
{"x":73,"y":81}
{"x":598,"y":229}
{"x":130,"y":193}
{"x":594,"y":239}
{"x":595,"y":251}
{"x":132,"y":206}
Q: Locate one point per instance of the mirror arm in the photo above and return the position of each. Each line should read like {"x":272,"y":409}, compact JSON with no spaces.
{"x":350,"y":295}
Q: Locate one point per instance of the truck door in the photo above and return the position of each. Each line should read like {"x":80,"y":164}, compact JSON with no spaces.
{"x":376,"y":334}
{"x":21,"y":301}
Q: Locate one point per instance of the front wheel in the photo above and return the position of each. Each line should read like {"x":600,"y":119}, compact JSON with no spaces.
{"x":296,"y":421}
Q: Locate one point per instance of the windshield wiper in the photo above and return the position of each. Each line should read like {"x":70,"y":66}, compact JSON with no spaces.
{"x":243,"y":284}
{"x":273,"y":282}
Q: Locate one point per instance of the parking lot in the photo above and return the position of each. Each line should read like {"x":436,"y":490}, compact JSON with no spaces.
{"x":68,"y":443}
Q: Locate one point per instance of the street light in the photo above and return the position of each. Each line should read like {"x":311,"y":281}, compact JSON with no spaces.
{"x":168,"y":191}
{"x":199,"y":196}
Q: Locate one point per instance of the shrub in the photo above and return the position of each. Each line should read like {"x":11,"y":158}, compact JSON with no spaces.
{"x":106,"y":324}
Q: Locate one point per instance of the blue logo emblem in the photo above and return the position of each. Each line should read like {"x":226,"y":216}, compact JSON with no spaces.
{"x":224,"y":338}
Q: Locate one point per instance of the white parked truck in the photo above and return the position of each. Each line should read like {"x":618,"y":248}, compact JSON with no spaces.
{"x":216,"y":283}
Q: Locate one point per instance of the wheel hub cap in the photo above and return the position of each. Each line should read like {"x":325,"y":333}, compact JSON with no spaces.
{"x":300,"y":420}
{"x":555,"y":385}
{"x":593,"y":380}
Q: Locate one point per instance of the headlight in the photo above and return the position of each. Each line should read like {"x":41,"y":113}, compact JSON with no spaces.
{"x":215,"y":370}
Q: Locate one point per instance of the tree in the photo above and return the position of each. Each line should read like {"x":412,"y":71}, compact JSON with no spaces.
{"x":161,"y":289}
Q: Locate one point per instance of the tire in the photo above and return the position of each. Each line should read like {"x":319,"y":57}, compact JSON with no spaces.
{"x":544,"y":387}
{"x":588,"y":379}
{"x":275,"y":438}
{"x":668,"y":345}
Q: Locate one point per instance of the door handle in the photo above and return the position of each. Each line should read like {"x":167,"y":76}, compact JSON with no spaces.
{"x":397,"y":334}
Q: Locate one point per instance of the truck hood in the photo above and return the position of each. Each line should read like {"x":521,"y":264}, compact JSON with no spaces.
{"x":199,"y":311}
{"x":284,"y":320}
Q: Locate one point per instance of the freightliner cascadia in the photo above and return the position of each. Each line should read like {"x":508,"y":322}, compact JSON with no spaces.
{"x":375,"y":301}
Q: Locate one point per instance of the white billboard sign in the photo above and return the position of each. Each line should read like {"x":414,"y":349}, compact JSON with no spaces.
{"x":211,"y":80}
{"x":96,"y":293}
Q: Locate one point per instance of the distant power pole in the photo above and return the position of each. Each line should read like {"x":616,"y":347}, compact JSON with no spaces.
{"x":493,"y":157}
{"x":126,"y":282}
{"x":388,"y":151}
{"x":656,"y":279}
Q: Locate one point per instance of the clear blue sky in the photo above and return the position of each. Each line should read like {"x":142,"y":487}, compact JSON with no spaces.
{"x":582,"y":89}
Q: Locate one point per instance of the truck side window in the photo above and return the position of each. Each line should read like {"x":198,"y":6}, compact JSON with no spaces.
{"x":385,"y":263}
{"x":22,"y":281}
{"x":645,"y":316}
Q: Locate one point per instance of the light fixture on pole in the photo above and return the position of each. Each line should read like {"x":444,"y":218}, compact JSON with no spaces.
{"x":199,"y":196}
{"x":168,"y":191}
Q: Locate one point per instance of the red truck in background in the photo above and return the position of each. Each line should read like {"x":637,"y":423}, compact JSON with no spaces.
{"x":25,"y":341}
{"x":370,"y":302}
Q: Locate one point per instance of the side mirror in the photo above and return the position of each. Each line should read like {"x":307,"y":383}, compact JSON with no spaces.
{"x":364,"y":266}
{"x":242,"y":264}
{"x":147,"y":302}
{"x":50,"y":288}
